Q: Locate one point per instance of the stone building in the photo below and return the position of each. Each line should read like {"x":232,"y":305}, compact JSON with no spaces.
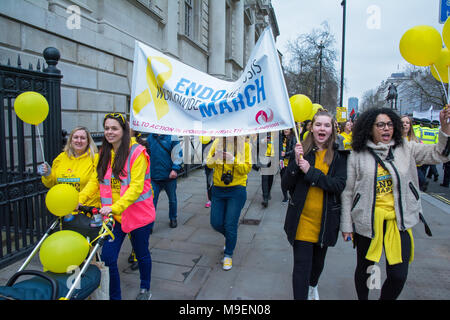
{"x":96,"y":41}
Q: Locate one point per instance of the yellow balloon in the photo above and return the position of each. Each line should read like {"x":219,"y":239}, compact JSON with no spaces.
{"x":421,"y":45}
{"x":301,"y":107}
{"x":63,"y":251}
{"x":31,"y":107}
{"x":315,"y":108}
{"x":446,"y":33}
{"x":205,"y":139}
{"x":61,"y":199}
{"x":442,"y":64}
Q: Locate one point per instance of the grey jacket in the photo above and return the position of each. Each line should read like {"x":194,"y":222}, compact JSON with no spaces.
{"x":358,"y":197}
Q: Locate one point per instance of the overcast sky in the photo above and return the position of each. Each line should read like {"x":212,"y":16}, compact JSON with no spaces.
{"x":373,"y":32}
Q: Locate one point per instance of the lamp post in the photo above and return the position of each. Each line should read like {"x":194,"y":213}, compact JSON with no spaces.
{"x":344,"y":7}
{"x":321,"y":46}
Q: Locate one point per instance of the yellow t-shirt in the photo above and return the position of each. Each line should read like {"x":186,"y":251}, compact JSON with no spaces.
{"x":311,"y":218}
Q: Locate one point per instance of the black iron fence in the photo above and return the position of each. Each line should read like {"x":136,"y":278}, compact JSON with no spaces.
{"x":23,"y":214}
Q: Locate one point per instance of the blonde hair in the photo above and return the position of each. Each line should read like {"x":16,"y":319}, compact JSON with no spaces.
{"x":410,"y":135}
{"x":309,"y":143}
{"x":91,"y":147}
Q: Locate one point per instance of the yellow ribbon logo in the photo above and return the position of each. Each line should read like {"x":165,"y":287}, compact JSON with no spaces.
{"x":145,"y":97}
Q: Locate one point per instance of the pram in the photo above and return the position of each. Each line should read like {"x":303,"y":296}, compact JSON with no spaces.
{"x":52,"y":286}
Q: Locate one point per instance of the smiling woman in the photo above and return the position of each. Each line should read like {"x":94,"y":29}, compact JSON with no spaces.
{"x":75,"y":164}
{"x":122,"y":180}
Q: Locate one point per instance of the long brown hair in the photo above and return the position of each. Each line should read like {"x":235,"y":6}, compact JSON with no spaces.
{"x":121,"y":154}
{"x":309,"y":143}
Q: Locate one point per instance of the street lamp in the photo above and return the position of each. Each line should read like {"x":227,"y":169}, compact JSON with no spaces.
{"x":321,"y":46}
{"x":344,"y":6}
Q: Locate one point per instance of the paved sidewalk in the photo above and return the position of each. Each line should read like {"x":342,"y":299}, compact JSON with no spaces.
{"x":187,"y":259}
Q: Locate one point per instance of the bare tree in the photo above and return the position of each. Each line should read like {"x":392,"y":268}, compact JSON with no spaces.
{"x":311,"y":67}
{"x":424,"y":87}
{"x":417,"y":91}
{"x":372,"y":99}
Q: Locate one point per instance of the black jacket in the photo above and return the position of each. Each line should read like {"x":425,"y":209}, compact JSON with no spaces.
{"x":333,"y":184}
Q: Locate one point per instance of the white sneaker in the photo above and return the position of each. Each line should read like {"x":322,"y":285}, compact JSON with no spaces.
{"x":144,"y":294}
{"x":313,"y":293}
{"x":227,"y":263}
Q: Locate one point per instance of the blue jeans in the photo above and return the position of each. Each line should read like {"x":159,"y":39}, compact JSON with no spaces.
{"x":226,"y":206}
{"x":170,"y":186}
{"x":110,"y":253}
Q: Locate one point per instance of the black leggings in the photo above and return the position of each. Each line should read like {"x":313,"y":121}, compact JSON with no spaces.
{"x":309,"y":260}
{"x":395,"y":274}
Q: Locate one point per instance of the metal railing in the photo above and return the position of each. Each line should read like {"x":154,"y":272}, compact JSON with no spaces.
{"x":23,"y":214}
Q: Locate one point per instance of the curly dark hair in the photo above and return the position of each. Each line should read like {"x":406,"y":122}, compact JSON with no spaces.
{"x":362,"y":129}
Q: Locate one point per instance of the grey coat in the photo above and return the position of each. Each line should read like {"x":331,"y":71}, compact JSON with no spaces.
{"x":358,"y":197}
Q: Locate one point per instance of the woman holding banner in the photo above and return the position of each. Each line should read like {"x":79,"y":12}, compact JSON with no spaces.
{"x":314,"y":180}
{"x":231,"y":160}
{"x":123,"y":178}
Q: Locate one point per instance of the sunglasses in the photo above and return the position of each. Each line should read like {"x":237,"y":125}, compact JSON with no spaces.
{"x":115,"y":115}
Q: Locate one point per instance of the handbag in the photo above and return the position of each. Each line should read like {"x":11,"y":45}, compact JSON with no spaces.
{"x":81,"y":223}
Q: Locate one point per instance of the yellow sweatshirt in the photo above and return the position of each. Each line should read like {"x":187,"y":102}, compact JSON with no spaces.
{"x":119,"y":205}
{"x":311,"y":218}
{"x":242,"y":163}
{"x":385,"y":212}
{"x":75,"y":171}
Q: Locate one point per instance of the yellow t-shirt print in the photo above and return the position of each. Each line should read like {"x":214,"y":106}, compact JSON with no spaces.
{"x":384,"y":194}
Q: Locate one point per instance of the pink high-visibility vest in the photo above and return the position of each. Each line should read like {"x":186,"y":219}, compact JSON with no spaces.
{"x":142,"y":211}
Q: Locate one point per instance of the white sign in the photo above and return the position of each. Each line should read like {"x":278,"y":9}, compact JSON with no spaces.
{"x":169,"y":97}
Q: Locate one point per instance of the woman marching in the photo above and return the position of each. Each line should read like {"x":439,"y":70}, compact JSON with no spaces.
{"x":123,"y":178}
{"x":381,"y":202}
{"x":314,"y":180}
{"x":230,"y":159}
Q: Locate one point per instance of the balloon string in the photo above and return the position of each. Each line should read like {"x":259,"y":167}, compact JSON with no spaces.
{"x":442,"y":82}
{"x":40,"y":142}
{"x":448,"y":75}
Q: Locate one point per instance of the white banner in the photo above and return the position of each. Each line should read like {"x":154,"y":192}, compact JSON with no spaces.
{"x":430,"y":114}
{"x":170,"y":97}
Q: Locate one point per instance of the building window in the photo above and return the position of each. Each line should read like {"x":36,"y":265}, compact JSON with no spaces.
{"x":228,"y":36}
{"x":188,"y":18}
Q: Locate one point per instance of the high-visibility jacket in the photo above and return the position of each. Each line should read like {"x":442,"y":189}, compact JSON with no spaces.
{"x":417,"y":130}
{"x":142,"y":211}
{"x":436,"y":134}
{"x":428,"y":136}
